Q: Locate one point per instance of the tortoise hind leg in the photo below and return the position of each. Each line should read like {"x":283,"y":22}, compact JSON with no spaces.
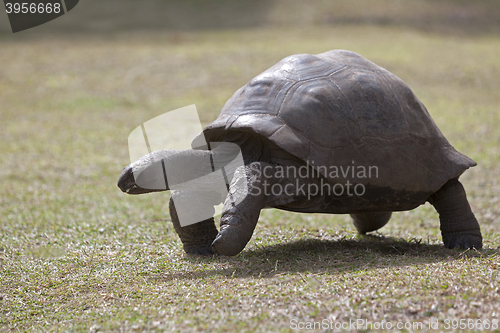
{"x":366,"y":222}
{"x":459,"y":227}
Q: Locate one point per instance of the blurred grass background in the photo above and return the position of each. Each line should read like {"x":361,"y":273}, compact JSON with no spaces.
{"x":77,"y":254}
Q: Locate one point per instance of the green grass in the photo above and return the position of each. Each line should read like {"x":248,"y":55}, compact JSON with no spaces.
{"x":76,"y":254}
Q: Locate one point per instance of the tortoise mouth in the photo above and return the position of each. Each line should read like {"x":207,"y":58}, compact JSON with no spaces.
{"x":127,"y":183}
{"x":136,"y":190}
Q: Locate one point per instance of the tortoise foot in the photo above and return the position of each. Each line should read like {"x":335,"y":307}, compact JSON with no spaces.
{"x":199,"y":250}
{"x":230,"y":241}
{"x":462,"y":241}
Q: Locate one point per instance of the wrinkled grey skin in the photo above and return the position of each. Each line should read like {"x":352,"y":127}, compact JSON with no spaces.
{"x":330,"y":109}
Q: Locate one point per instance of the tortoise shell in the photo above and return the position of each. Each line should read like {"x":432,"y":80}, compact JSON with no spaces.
{"x":337,"y":109}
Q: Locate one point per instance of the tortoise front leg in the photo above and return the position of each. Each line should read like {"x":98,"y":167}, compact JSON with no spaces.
{"x":198,"y":237}
{"x":246,"y":198}
{"x":459,"y":227}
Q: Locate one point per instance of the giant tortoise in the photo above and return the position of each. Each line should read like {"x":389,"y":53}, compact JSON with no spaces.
{"x":362,"y":142}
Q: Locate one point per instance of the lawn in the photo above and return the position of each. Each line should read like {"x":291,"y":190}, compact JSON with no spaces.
{"x":76,"y":254}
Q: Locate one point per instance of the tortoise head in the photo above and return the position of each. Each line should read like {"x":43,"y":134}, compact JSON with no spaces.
{"x":150,"y":172}
{"x":144,"y":175}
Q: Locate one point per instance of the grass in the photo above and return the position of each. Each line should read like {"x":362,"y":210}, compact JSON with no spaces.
{"x":78,"y":255}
